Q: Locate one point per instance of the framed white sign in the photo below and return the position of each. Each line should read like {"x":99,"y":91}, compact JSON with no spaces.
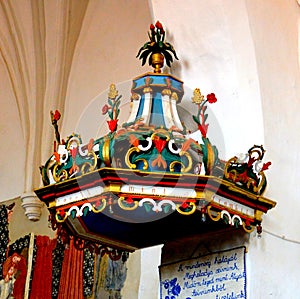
{"x":220,"y":275}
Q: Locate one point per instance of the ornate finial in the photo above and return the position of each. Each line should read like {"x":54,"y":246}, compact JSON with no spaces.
{"x":55,"y":117}
{"x":157,"y":49}
{"x":113,"y":92}
{"x":112,"y":108}
{"x":201,"y":116}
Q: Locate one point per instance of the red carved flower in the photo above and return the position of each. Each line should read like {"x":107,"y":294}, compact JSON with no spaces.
{"x":129,"y":200}
{"x":160,"y":144}
{"x":152,"y":27}
{"x":112,"y":124}
{"x":158,"y":25}
{"x":185,"y":205}
{"x":61,"y":213}
{"x":105,"y":109}
{"x":211,"y":98}
{"x":56,"y":115}
{"x":266,"y":166}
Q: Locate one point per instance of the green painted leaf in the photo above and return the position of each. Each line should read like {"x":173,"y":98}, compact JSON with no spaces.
{"x":196,"y":119}
{"x":148,"y":207}
{"x":166,"y":208}
{"x":73,"y":214}
{"x":85,"y":211}
{"x":145,"y":56}
{"x":168,"y":58}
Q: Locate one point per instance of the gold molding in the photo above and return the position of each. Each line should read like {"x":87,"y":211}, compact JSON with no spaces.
{"x":105,"y":152}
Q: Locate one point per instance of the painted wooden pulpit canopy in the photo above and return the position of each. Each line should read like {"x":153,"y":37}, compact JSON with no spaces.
{"x":148,"y":181}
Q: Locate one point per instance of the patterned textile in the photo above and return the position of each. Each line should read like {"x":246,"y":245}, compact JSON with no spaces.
{"x":109,"y":278}
{"x":88,"y":272}
{"x":42,"y":273}
{"x":101,"y":265}
{"x":116,"y":275}
{"x":19,"y":245}
{"x":71,"y":281}
{"x":19,"y":249}
{"x":3,"y":236}
{"x":57,"y":260}
{"x":114,"y":294}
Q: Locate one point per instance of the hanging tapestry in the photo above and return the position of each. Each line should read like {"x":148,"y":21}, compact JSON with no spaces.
{"x":88,"y":272}
{"x":214,"y":276}
{"x":71,"y":281}
{"x":57,"y":261}
{"x":116,"y":275}
{"x":15,"y":268}
{"x":3,"y":236}
{"x":41,"y":286}
{"x":109,"y":277}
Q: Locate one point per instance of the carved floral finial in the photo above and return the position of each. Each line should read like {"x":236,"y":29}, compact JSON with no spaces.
{"x":156,"y":50}
{"x":113,"y":92}
{"x":201,"y":116}
{"x":112,"y":108}
{"x":55,"y":117}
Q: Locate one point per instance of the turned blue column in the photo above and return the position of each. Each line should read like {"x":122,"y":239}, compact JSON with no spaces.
{"x":155,"y":98}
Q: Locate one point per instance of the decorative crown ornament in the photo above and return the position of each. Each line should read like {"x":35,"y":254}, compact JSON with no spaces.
{"x":157,"y":50}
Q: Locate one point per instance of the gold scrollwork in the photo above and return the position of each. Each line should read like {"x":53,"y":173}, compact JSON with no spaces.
{"x":60,"y":220}
{"x":133,"y":165}
{"x":232,"y":172}
{"x":189,"y":212}
{"x":162,"y":132}
{"x":63,"y":174}
{"x":96,"y":210}
{"x":127,"y":157}
{"x":190,"y":161}
{"x":146,"y":164}
{"x":120,"y":203}
{"x":184,"y":168}
{"x":74,"y":138}
{"x":172,"y":165}
{"x":214,"y":218}
{"x":86,"y":167}
{"x":248,"y":230}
